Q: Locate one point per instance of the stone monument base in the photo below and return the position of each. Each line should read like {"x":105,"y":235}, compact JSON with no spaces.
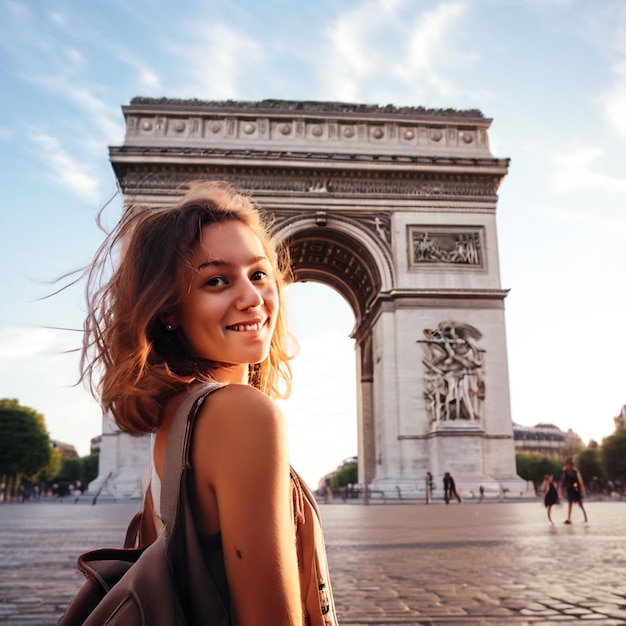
{"x":122,"y":463}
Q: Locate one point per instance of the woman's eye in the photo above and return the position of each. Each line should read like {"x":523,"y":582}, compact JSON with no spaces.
{"x":216,"y":281}
{"x":259,"y":275}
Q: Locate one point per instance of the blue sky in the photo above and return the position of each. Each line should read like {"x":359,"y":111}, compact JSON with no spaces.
{"x":551,"y":74}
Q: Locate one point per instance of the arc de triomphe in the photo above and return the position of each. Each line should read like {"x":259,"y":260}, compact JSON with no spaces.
{"x":395,"y":208}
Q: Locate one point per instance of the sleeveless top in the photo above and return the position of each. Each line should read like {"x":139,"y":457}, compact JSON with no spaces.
{"x":315,"y":589}
{"x":570,"y":479}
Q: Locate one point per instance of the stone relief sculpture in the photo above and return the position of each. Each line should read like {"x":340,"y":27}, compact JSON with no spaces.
{"x":454,"y":387}
{"x":382,"y":229}
{"x":439,"y":247}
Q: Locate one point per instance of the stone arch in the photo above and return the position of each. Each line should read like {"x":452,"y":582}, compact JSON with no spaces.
{"x":394,"y":207}
{"x":341,"y":253}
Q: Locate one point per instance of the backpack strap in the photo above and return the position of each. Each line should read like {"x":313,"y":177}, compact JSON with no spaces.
{"x":177,"y":453}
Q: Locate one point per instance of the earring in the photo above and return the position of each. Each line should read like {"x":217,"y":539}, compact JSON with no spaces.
{"x":169,"y":326}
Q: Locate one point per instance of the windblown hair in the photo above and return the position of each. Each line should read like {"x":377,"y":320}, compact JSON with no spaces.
{"x":130,"y":362}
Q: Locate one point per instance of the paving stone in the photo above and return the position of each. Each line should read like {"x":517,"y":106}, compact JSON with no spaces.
{"x":487,"y":565}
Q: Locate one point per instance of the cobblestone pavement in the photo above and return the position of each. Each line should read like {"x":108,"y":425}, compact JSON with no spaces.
{"x":488,"y":564}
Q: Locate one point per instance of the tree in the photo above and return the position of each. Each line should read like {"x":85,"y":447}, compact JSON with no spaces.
{"x":24,"y":442}
{"x":53,"y":467}
{"x":533,"y":466}
{"x":346,"y":475}
{"x":78,"y":472}
{"x":88,"y":468}
{"x":614,"y":456}
{"x":70,"y":471}
{"x":589,"y":462}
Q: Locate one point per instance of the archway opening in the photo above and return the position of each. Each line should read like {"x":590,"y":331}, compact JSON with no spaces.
{"x":333,"y":258}
{"x":322,"y":410}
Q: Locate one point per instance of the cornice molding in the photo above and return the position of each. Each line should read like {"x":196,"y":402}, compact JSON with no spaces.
{"x":455,"y":294}
{"x":387,"y":301}
{"x":320,"y":127}
{"x":140,"y":177}
{"x":143,"y":154}
{"x":307,"y":106}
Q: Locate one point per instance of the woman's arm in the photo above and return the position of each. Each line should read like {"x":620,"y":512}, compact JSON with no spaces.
{"x":583,"y":490}
{"x":242,"y":468}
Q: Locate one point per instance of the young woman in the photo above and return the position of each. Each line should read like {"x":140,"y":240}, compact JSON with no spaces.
{"x":573,"y":487}
{"x":550,"y":494}
{"x":195,"y":296}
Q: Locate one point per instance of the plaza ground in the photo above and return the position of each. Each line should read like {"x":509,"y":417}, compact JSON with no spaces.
{"x":491,"y":563}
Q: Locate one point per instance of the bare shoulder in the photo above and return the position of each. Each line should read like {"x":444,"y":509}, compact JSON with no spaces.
{"x":239,"y":409}
{"x":240,"y":457}
{"x":242,"y":399}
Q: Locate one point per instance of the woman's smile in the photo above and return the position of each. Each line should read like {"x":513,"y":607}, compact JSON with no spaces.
{"x":245,"y":326}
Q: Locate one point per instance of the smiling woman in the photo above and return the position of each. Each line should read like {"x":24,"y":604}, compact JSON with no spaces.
{"x":194,"y":300}
{"x":228,"y":314}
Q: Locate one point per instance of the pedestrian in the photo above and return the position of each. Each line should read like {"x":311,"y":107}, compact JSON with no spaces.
{"x":429,"y":486}
{"x":550,"y":494}
{"x":449,"y":489}
{"x":481,"y":491}
{"x":573,"y":487}
{"x":196,"y":297}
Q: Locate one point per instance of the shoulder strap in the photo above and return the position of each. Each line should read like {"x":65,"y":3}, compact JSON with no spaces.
{"x":177,"y":453}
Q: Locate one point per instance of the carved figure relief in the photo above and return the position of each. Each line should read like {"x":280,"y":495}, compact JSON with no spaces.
{"x":454,"y":386}
{"x":448,"y":246}
{"x":379,"y":224}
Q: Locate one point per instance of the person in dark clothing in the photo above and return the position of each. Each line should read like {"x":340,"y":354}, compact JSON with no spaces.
{"x":573,"y":487}
{"x":449,"y":489}
{"x":551,"y":494}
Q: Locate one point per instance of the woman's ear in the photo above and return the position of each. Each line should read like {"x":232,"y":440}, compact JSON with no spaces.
{"x":169,"y":321}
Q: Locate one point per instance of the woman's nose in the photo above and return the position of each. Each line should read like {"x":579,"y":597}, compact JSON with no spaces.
{"x":249,"y":296}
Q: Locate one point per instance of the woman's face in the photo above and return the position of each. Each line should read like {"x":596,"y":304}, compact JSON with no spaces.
{"x":229,"y":313}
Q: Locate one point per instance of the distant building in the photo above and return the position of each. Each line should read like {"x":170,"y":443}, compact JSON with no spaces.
{"x":547,"y":439}
{"x":620,"y":420}
{"x":68,"y":451}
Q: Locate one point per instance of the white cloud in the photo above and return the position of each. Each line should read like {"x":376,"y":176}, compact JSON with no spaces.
{"x":378,"y":40}
{"x":48,"y":56}
{"x":216,"y":58}
{"x":65,"y":170}
{"x":74,"y":56}
{"x":352,"y":55}
{"x":574,"y":170}
{"x":599,"y":223}
{"x":23,"y":342}
{"x":57,"y":17}
{"x":17,"y":9}
{"x":429,"y":49}
{"x":147,"y":78}
{"x":97,"y":110}
{"x":100,"y":115}
{"x":614,"y":100}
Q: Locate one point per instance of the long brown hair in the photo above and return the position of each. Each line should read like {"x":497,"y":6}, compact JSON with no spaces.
{"x":131,"y":363}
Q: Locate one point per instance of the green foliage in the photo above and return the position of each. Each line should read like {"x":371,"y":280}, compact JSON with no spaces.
{"x":614,"y":455}
{"x":70,"y":471}
{"x":83,"y":470}
{"x":346,"y":475}
{"x":589,"y":462}
{"x":53,"y":467}
{"x":533,"y":467}
{"x":24,"y":442}
{"x":88,"y":468}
